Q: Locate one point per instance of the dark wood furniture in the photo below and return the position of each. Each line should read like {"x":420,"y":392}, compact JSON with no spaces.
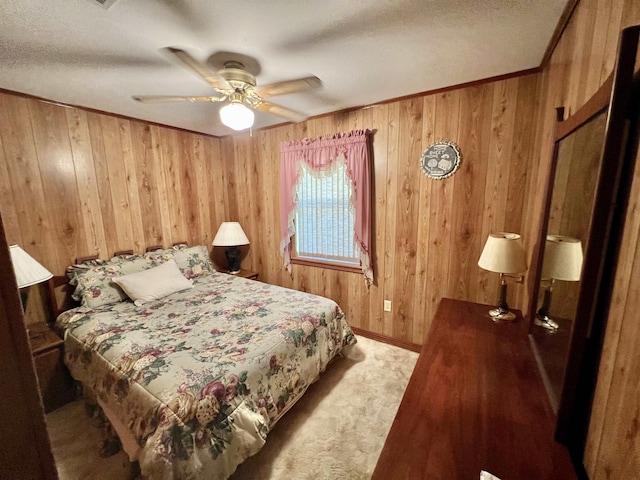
{"x":475,"y":401}
{"x":602,"y":224}
{"x":245,"y":274}
{"x":55,"y":382}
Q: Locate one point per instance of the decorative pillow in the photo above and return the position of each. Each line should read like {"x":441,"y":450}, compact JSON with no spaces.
{"x":154,"y":283}
{"x":192,"y":261}
{"x":94,"y":279}
{"x":73,"y":271}
{"x":95,"y":286}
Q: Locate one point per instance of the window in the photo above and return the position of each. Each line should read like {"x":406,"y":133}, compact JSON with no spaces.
{"x":325,"y":217}
{"x":325,"y":202}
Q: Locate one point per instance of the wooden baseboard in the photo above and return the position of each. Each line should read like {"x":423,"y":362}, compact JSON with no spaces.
{"x":414,"y":347}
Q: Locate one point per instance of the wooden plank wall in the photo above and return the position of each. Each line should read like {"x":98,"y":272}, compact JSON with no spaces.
{"x":428,"y":234}
{"x":75,"y":183}
{"x":581,"y":62}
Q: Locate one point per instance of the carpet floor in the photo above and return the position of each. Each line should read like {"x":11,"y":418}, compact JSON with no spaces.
{"x":335,"y":431}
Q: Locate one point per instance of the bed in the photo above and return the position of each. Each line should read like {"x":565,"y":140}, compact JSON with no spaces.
{"x":193,"y":380}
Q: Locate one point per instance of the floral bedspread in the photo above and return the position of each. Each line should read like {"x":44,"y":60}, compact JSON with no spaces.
{"x":199,"y":377}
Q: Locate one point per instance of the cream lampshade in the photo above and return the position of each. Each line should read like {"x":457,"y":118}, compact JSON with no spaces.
{"x":562,"y":258}
{"x":27,"y":270}
{"x":503,"y":253}
{"x":231,"y":235}
{"x":562,"y":261}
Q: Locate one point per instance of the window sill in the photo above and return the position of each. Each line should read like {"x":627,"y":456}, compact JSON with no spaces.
{"x":332,"y":266}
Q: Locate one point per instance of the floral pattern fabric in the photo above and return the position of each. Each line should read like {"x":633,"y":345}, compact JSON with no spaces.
{"x":94,"y":280}
{"x":200,"y":377}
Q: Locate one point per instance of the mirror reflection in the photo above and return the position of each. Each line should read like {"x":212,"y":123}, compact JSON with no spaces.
{"x":572,"y":198}
{"x":562,"y":261}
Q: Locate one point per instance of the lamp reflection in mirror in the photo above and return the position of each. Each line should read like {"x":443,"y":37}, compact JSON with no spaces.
{"x":230,"y":234}
{"x":503,"y":253}
{"x":27,"y":271}
{"x":562,"y":261}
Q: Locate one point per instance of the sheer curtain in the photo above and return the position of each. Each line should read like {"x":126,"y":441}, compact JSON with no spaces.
{"x":319,"y":154}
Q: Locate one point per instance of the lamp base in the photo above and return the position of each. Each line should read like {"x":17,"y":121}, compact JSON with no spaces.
{"x":233,"y":259}
{"x":499,"y":315}
{"x":546,"y":322}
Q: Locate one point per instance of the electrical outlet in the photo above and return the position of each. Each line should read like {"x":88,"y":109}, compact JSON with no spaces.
{"x":387,"y":305}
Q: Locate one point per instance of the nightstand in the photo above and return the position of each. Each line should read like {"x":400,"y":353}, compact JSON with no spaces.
{"x":245,"y":274}
{"x":54,"y":380}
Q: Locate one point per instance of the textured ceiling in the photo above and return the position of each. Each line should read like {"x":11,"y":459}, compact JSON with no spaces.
{"x":364,"y":51}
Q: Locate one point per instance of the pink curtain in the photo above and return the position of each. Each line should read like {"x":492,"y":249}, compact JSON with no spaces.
{"x":319,"y":154}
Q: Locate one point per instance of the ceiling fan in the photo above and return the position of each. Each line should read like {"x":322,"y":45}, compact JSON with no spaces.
{"x":238,"y":86}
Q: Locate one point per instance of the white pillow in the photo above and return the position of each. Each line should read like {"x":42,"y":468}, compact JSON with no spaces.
{"x":154,"y":283}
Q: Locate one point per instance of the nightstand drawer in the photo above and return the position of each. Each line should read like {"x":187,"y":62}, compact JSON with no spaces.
{"x":56,"y":384}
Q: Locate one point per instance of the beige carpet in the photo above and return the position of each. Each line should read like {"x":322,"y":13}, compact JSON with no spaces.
{"x":335,"y":431}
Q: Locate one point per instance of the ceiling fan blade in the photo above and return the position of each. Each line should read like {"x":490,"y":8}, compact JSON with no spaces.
{"x":292,"y":115}
{"x":169,"y":98}
{"x":288,"y":86}
{"x":209,"y":76}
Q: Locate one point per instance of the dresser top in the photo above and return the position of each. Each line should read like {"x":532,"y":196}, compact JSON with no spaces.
{"x":475,"y":401}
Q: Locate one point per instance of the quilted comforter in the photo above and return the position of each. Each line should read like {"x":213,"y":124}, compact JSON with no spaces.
{"x":199,"y":377}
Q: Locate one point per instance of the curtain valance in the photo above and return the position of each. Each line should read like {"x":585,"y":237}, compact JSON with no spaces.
{"x":319,"y":154}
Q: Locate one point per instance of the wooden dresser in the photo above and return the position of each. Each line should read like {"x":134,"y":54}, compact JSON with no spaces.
{"x":475,"y":401}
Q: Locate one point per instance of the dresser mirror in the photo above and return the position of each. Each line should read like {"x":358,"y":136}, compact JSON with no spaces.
{"x":576,"y":254}
{"x":572,"y":198}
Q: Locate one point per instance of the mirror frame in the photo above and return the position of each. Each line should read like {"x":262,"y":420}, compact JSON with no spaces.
{"x":600,"y":257}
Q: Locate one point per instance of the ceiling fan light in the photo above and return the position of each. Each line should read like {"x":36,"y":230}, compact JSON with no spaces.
{"x":236,"y":116}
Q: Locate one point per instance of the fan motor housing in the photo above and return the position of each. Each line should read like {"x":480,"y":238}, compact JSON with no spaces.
{"x":235,"y":74}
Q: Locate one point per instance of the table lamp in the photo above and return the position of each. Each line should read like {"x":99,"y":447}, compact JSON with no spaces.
{"x":231,"y":235}
{"x":27,"y":271}
{"x":562,"y":261}
{"x":504,"y":254}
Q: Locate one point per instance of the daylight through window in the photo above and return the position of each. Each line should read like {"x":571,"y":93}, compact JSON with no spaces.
{"x":324,"y":216}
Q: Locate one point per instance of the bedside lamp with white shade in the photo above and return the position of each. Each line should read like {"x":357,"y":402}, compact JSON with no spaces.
{"x":231,"y":235}
{"x":562,"y":261}
{"x":27,"y":270}
{"x":503,"y":253}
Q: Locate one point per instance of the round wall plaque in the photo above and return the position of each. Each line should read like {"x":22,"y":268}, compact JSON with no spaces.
{"x":440,"y":160}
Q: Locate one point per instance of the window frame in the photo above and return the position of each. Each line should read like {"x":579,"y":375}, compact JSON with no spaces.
{"x":354,"y":266}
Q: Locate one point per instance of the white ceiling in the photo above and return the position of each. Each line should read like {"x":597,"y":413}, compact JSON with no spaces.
{"x":365,"y":51}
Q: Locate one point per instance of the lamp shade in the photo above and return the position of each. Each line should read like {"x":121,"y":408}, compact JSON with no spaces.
{"x":503,"y":253}
{"x":562,"y":258}
{"x":236,"y":116}
{"x":230,"y":234}
{"x":28,"y":271}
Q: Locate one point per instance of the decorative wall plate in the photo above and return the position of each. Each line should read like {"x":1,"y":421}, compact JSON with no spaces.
{"x":440,"y":160}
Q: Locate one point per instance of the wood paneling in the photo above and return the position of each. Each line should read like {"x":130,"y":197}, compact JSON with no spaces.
{"x":75,"y":183}
{"x":428,"y":234}
{"x":581,"y":62}
{"x":81,"y":183}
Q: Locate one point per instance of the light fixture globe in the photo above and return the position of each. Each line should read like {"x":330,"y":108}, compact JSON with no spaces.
{"x":236,"y":116}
